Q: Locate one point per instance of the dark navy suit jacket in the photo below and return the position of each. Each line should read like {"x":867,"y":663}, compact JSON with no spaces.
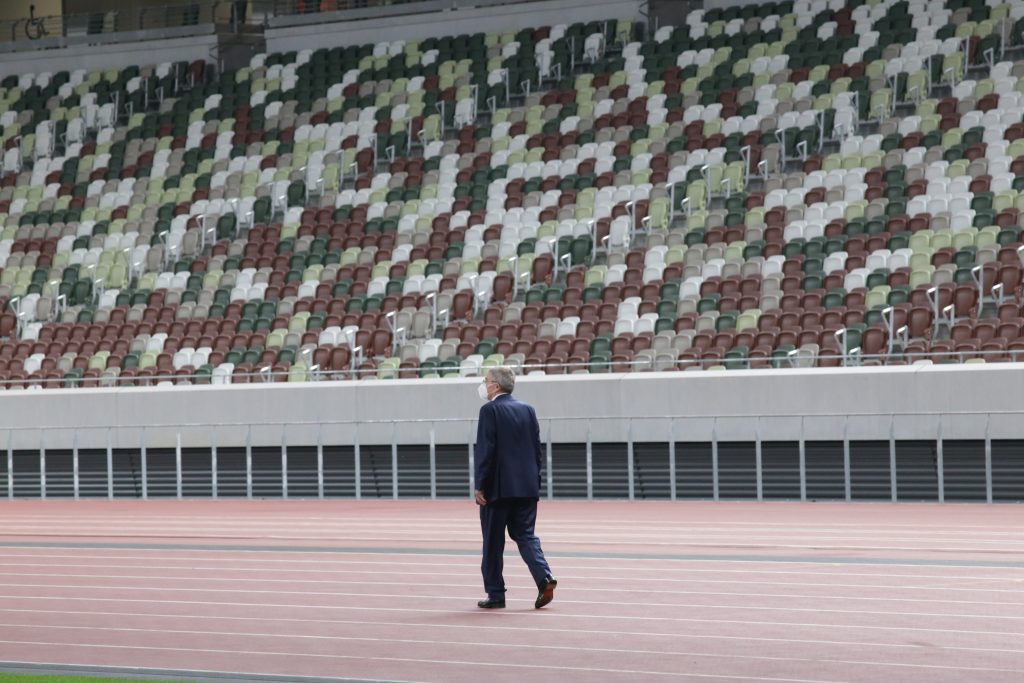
{"x":508,"y":460}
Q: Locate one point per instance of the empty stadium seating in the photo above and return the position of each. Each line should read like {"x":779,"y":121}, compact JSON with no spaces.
{"x":785,"y":184}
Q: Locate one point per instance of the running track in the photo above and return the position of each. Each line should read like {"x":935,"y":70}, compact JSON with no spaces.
{"x":386,"y":591}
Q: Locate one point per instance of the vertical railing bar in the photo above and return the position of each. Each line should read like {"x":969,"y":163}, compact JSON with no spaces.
{"x":177,"y":463}
{"x":145,"y":463}
{"x":433,"y":463}
{"x":892,"y":458}
{"x":672,"y":492}
{"x":714,"y":459}
{"x":284,"y":461}
{"x":802,"y":445}
{"x":110,"y":467}
{"x":214,"y":466}
{"x":590,"y":463}
{"x":988,"y":459}
{"x":847,"y":485}
{"x":758,"y":462}
{"x":471,"y":453}
{"x":74,"y":464}
{"x":940,"y":473}
{"x":550,"y":465}
{"x":630,"y":459}
{"x":248,"y":462}
{"x":42,"y":464}
{"x":10,"y":464}
{"x":357,"y":461}
{"x":394,"y":460}
{"x":320,"y":461}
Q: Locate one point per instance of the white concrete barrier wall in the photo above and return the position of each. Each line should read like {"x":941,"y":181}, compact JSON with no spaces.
{"x":967,"y":401}
{"x":722,"y":4}
{"x":118,"y":55}
{"x":500,"y":18}
{"x":151,"y":49}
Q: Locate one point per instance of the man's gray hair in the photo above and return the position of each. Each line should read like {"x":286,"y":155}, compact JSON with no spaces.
{"x":505,"y":378}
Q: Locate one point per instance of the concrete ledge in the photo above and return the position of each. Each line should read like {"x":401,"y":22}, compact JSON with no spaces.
{"x":446,"y":18}
{"x":138,"y":48}
{"x":915,"y":402}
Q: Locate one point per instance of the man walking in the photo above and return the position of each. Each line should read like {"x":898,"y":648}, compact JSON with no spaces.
{"x":508,"y":466}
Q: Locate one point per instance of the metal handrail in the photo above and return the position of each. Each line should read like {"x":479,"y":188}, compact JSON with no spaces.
{"x":316,"y":373}
{"x":174,"y":14}
{"x":472,"y":419}
{"x":150,"y":451}
{"x":284,"y":8}
{"x":48,"y":31}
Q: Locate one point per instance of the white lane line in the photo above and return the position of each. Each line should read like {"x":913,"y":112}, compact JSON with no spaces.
{"x":686,"y":519}
{"x":957,"y":633}
{"x":999,"y":546}
{"x":596,"y":533}
{"x":540,"y":629}
{"x":619,"y":605}
{"x":563,"y":648}
{"x":335,"y":554}
{"x":682,"y":525}
{"x":411,"y":660}
{"x":595,"y":530}
{"x":344,"y":560}
{"x":562,"y":567}
{"x":588,"y":589}
{"x":563,"y":577}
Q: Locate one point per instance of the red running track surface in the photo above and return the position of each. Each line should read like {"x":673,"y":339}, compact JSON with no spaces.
{"x":386,"y":590}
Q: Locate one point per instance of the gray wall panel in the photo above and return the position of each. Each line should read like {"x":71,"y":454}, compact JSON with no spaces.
{"x":863,"y":402}
{"x":502,"y":18}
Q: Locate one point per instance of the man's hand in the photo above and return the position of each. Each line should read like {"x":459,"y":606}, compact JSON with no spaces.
{"x":480,"y":499}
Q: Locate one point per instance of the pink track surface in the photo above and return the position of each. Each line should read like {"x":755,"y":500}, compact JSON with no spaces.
{"x":386,"y":590}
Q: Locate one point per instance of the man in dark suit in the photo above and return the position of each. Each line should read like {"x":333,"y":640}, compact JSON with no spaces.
{"x":508,"y":466}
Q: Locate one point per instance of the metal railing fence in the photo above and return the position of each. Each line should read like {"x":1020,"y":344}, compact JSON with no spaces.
{"x":677,"y":432}
{"x":271,"y":374}
{"x":120,"y":17}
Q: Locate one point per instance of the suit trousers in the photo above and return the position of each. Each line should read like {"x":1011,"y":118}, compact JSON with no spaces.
{"x":518,"y":515}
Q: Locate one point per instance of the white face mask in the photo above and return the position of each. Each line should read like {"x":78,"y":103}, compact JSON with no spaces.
{"x":481,"y":390}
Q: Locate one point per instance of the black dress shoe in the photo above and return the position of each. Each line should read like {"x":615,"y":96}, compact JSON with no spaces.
{"x":490,"y":603}
{"x":545,"y":592}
